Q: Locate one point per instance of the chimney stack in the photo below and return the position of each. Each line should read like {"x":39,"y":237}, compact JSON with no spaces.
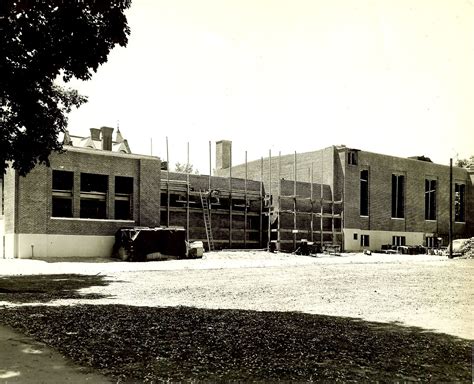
{"x":223,"y":154}
{"x":106,"y":138}
{"x":95,"y":134}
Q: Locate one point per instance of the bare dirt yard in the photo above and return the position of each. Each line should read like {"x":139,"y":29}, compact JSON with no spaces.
{"x":253,"y":316}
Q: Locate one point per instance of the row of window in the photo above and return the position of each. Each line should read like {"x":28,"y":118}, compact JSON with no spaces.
{"x":94,"y":190}
{"x":398,"y":197}
{"x":365,"y":240}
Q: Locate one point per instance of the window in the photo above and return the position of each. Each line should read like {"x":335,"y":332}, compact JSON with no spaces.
{"x":355,"y":236}
{"x":431,"y":242}
{"x":398,"y":240}
{"x":398,"y":196}
{"x":94,"y":196}
{"x":459,"y":202}
{"x":364,"y":240}
{"x":352,"y":157}
{"x":123,"y":198}
{"x":430,"y":199}
{"x":364,"y":193}
{"x":62,"y":192}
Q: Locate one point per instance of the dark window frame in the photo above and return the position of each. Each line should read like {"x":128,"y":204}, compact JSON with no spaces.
{"x":364,"y":240}
{"x":398,"y":196}
{"x":431,"y":186}
{"x":62,"y":193}
{"x":352,"y":157}
{"x":123,"y":198}
{"x":460,"y":202}
{"x":94,"y":191}
{"x":399,"y":240}
{"x":364,"y":193}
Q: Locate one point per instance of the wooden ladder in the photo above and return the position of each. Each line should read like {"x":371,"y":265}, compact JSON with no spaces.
{"x":207,"y":221}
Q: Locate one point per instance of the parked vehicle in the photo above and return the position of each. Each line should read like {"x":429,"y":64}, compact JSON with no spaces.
{"x":147,"y":243}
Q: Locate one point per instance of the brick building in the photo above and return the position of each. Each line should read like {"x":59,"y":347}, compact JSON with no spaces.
{"x":358,"y":199}
{"x":74,"y":207}
{"x":333,"y":196}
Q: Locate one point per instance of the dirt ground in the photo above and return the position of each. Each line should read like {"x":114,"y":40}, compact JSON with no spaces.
{"x":431,"y":292}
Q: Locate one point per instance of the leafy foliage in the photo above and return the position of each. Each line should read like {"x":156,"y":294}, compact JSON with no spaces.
{"x":464,"y":163}
{"x":151,"y":345}
{"x":39,"y":41}
{"x":185,"y":168}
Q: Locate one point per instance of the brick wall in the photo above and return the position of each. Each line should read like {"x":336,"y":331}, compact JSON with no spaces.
{"x":381,"y":168}
{"x":221,"y":219}
{"x":35,"y":199}
{"x":323,"y":163}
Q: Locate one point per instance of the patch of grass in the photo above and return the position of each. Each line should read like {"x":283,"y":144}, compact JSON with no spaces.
{"x":142,"y":344}
{"x":45,"y":288}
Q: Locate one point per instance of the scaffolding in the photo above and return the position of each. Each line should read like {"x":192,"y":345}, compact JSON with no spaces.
{"x":245,"y":216}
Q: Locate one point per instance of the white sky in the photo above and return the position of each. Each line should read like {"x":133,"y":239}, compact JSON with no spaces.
{"x":387,"y":76}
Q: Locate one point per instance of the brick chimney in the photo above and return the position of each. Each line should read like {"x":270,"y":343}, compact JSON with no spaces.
{"x":223,"y":154}
{"x":106,"y":138}
{"x":95,"y":133}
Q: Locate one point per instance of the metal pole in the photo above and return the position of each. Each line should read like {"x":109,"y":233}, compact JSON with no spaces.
{"x":321,"y":221}
{"x":270,"y":194}
{"x":450,"y":208}
{"x":245,"y":211}
{"x":187,"y":194}
{"x":210,"y":165}
{"x":167,"y":185}
{"x":279,"y":202}
{"x":261,"y":203}
{"x":294,"y":205}
{"x":230,"y":200}
{"x":312,"y":204}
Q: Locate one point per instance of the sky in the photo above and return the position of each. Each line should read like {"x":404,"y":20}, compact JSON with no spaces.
{"x":386,"y":76}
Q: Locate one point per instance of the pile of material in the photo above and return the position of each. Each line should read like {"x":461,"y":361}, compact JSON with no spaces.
{"x":467,"y":249}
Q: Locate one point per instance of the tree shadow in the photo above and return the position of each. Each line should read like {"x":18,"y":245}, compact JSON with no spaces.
{"x":46,"y":288}
{"x":141,"y":344}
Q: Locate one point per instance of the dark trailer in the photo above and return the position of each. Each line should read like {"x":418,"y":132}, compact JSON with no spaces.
{"x":150,"y":243}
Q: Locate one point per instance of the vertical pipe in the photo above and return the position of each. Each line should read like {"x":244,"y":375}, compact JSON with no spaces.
{"x":187,"y":194}
{"x":210,"y":166}
{"x":312,"y":203}
{"x":294,"y":204}
{"x":261,"y":203}
{"x":269,"y":195}
{"x":209,"y":203}
{"x":245,"y":209}
{"x":450,"y":208}
{"x":230,"y":200}
{"x":332,"y":215}
{"x":322,"y":198}
{"x":167,"y":185}
{"x":151,"y":146}
{"x":279,"y":201}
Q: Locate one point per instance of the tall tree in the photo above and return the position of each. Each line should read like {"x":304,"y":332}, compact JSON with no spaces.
{"x":41,"y":40}
{"x":464,"y":163}
{"x":185,"y":168}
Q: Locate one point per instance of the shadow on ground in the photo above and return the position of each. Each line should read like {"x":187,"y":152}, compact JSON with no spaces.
{"x":46,"y":288}
{"x":142,"y":344}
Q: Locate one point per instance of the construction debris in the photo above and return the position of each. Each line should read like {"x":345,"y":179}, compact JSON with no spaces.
{"x":463,"y":248}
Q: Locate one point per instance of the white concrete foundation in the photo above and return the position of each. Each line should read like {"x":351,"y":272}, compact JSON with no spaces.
{"x":379,"y":238}
{"x":31,"y":246}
